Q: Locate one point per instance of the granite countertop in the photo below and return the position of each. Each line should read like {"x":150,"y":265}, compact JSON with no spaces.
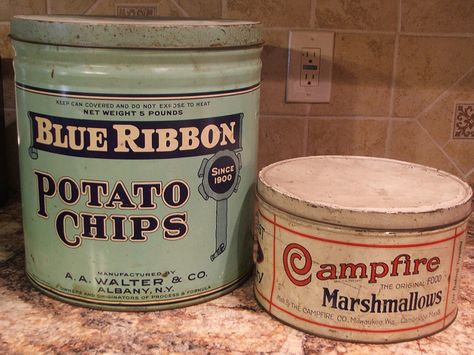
{"x":33,"y":323}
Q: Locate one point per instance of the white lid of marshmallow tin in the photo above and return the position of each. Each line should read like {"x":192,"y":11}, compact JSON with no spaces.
{"x":365,"y":192}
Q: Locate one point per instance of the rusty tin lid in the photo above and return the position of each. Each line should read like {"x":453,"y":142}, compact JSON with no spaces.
{"x":365,"y":192}
{"x":117,"y":32}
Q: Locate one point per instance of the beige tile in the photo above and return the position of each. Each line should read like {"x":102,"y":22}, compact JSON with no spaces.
{"x":8,"y":84}
{"x":346,"y":136}
{"x":462,"y":152}
{"x":438,"y":120}
{"x":168,"y":8}
{"x":192,"y":8}
{"x":357,"y":14}
{"x":6,"y":50}
{"x":427,"y":66}
{"x":201,"y":8}
{"x":410,"y":143}
{"x":470,"y":180}
{"x":108,"y":7}
{"x":278,"y":13}
{"x":274,"y":58}
{"x":438,"y":16}
{"x":178,"y":8}
{"x":8,"y":8}
{"x":69,"y":6}
{"x":280,"y":138}
{"x":362,"y":76}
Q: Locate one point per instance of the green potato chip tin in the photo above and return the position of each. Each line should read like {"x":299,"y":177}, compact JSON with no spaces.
{"x":138,"y":146}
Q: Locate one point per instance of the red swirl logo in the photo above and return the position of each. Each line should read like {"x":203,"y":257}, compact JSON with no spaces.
{"x":294,"y":272}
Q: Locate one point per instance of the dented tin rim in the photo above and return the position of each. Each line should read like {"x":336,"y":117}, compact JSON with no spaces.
{"x":365,"y":192}
{"x":126,"y":32}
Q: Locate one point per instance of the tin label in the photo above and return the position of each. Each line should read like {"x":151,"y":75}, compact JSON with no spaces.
{"x":352,"y":285}
{"x":137,"y":200}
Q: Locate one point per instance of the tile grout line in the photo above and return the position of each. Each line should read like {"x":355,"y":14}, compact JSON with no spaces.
{"x":328,"y":117}
{"x":468,"y":173}
{"x":391,"y":109}
{"x":430,"y":106}
{"x":354,"y":30}
{"x":305,"y":137}
{"x":444,"y":93}
{"x":312,"y":25}
{"x":307,"y":112}
{"x":460,"y":172}
{"x":451,"y":133}
{"x":312,"y":14}
{"x":180,"y":8}
{"x":277,"y":116}
{"x":48,"y":7}
{"x":388,"y":138}
{"x":396,"y":48}
{"x":92,"y":7}
{"x":438,"y":34}
{"x":224,"y":9}
{"x":328,"y":29}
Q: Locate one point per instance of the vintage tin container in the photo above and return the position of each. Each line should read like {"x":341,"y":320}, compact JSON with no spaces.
{"x":138,"y":147}
{"x":358,"y":248}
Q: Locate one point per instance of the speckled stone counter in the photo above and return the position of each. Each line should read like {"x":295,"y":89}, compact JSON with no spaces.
{"x":33,"y":323}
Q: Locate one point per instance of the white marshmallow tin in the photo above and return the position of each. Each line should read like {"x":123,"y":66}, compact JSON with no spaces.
{"x":358,"y":248}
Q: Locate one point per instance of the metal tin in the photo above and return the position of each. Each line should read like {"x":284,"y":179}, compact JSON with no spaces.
{"x":137,"y":147}
{"x":358,"y":248}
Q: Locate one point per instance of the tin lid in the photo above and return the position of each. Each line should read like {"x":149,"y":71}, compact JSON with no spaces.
{"x":365,"y":192}
{"x":117,"y":32}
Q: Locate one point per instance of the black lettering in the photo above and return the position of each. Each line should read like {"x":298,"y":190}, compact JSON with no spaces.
{"x":46,"y":188}
{"x":330,"y":297}
{"x":93,"y":226}
{"x":119,"y":198}
{"x":142,"y":224}
{"x":61,"y":228}
{"x":93,"y":188}
{"x":147,"y":192}
{"x":176,"y":193}
{"x":175,"y":226}
{"x":68,"y":190}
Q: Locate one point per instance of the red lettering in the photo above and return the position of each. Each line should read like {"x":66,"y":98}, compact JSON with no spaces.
{"x":329,"y":269}
{"x":421,"y":261}
{"x":433,"y":264}
{"x":374,"y":274}
{"x":294,"y":251}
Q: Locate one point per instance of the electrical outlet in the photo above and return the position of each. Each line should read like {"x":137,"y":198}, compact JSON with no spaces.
{"x":309,"y":68}
{"x":310,"y":57}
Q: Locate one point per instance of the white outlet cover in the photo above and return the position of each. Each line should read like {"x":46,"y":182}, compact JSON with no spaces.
{"x":299,"y":41}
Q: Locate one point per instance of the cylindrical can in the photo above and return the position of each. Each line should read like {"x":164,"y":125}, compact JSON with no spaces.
{"x":137,"y":148}
{"x":359,"y":248}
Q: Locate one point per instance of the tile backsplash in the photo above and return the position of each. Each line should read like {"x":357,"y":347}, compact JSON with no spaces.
{"x":402,"y":86}
{"x":463,"y":121}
